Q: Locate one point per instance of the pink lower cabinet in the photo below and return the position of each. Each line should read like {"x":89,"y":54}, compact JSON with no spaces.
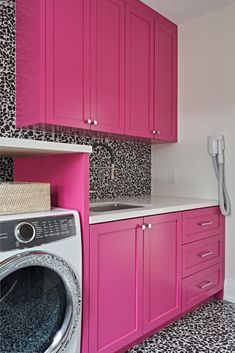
{"x":201,"y":286}
{"x":116,"y":253}
{"x":162,"y":270}
{"x":202,"y":223}
{"x":135,"y":279}
{"x":202,"y":254}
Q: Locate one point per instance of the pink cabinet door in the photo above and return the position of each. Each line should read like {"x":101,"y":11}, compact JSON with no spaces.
{"x":115,"y":285}
{"x":139,"y":65}
{"x":165,"y":111}
{"x":162,"y":270}
{"x":66,"y":72}
{"x":107,"y":65}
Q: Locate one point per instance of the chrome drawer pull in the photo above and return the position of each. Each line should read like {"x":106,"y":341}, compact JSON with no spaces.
{"x":204,"y":224}
{"x":205,"y":254}
{"x":208,"y":284}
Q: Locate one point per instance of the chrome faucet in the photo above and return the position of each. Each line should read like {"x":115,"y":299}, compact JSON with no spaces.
{"x":96,"y":144}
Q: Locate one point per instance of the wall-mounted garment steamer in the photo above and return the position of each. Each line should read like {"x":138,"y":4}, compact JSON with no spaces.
{"x":216,"y":147}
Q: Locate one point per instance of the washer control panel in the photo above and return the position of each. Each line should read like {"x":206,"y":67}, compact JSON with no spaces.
{"x":35,"y":231}
{"x":25,"y":232}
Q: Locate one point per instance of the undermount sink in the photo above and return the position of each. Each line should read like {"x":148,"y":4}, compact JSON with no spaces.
{"x":112,"y":207}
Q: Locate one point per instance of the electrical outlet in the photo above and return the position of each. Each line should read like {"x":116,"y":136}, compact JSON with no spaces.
{"x":173,"y":178}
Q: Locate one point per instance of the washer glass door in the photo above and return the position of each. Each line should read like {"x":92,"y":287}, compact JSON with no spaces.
{"x":39,"y":304}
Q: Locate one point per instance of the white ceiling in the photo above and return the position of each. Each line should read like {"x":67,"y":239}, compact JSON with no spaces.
{"x":180,"y":11}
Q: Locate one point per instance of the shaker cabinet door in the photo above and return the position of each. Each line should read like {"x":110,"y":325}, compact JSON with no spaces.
{"x":67,"y":56}
{"x":162,"y":270}
{"x":107,"y":65}
{"x":115,"y":285}
{"x":139,"y":71}
{"x":165,"y":102}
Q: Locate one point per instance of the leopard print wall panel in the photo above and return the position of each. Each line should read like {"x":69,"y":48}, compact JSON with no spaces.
{"x":132,"y":160}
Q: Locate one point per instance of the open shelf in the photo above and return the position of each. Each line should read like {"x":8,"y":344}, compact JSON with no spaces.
{"x":66,"y":168}
{"x":12,"y":147}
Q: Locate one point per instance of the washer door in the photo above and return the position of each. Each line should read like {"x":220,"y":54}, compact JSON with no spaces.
{"x":40,"y":303}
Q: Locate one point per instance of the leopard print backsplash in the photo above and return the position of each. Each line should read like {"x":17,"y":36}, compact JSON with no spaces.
{"x":6,"y":169}
{"x":132,"y":159}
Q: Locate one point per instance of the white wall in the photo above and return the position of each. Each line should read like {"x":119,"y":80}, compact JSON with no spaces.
{"x":206,"y":106}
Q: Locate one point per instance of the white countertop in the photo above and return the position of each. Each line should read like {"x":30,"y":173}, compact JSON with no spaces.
{"x":12,"y":147}
{"x":151,"y":206}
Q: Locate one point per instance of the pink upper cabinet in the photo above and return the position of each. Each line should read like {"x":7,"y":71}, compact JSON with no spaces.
{"x":139,"y":81}
{"x":116,"y":254}
{"x":65,"y":62}
{"x":52,"y":72}
{"x":102,"y":65}
{"x":165,"y":107}
{"x":162,"y":270}
{"x":107,"y":65}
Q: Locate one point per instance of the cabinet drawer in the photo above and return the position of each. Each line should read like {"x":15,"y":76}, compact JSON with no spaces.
{"x":204,"y":253}
{"x":201,"y":286}
{"x":202,"y":223}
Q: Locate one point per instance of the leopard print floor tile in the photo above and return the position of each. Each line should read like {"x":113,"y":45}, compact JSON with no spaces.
{"x":209,"y":329}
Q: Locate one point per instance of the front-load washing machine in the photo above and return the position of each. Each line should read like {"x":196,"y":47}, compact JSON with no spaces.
{"x":40,"y":282}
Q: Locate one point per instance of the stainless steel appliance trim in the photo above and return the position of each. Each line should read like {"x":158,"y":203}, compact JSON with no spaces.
{"x":55,"y":263}
{"x":17,"y":232}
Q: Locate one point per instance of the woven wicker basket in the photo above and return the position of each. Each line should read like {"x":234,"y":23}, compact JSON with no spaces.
{"x":24,"y":198}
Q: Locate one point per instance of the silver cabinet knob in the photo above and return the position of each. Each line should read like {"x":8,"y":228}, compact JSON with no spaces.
{"x":89,"y":121}
{"x":143,"y":227}
{"x":95,"y":122}
{"x":156,"y":132}
{"x":149,"y":226}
